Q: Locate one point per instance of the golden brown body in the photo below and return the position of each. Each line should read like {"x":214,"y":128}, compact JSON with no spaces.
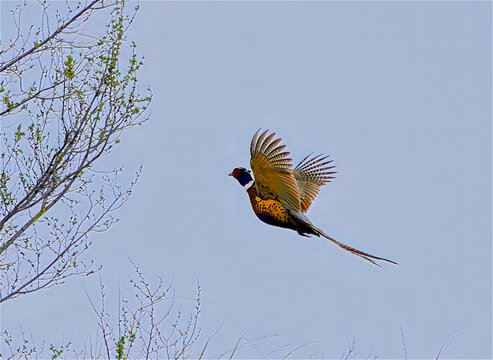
{"x":269,"y":210}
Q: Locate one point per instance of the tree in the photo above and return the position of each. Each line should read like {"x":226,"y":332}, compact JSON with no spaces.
{"x":149,"y":323}
{"x":67,"y":94}
{"x":145,"y":325}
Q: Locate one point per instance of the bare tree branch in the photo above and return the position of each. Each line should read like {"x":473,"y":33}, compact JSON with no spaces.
{"x":49,"y":38}
{"x":83,"y":95}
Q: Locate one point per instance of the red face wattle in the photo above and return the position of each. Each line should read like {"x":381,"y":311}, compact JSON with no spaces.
{"x":235,"y":173}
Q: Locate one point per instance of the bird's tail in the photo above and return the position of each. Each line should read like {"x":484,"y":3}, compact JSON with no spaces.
{"x":361,"y":254}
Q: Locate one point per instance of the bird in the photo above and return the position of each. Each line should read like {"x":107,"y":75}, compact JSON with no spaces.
{"x":280,"y":195}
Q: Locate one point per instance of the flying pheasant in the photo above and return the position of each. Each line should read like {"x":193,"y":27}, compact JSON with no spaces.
{"x":281,"y":195}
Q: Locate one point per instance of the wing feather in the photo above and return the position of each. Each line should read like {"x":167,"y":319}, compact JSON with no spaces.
{"x":272,"y":149}
{"x":272,"y":170}
{"x":310,"y":174}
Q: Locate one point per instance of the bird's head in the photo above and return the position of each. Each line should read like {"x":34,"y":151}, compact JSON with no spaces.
{"x":242,"y":175}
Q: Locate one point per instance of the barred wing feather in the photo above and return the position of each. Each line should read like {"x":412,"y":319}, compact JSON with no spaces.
{"x":272,"y":170}
{"x":310,"y":174}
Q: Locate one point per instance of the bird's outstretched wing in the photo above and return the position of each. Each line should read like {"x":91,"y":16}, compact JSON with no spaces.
{"x":272,"y":170}
{"x":311,"y":173}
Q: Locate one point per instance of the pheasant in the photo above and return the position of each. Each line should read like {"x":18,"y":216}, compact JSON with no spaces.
{"x":280,"y":195}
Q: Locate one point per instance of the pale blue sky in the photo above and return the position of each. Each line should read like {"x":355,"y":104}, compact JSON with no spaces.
{"x":398,"y":93}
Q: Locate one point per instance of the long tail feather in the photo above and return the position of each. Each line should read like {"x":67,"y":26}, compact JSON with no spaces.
{"x":362,"y":254}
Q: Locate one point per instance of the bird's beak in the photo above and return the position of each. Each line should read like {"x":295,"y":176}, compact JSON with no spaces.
{"x":230,"y":174}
